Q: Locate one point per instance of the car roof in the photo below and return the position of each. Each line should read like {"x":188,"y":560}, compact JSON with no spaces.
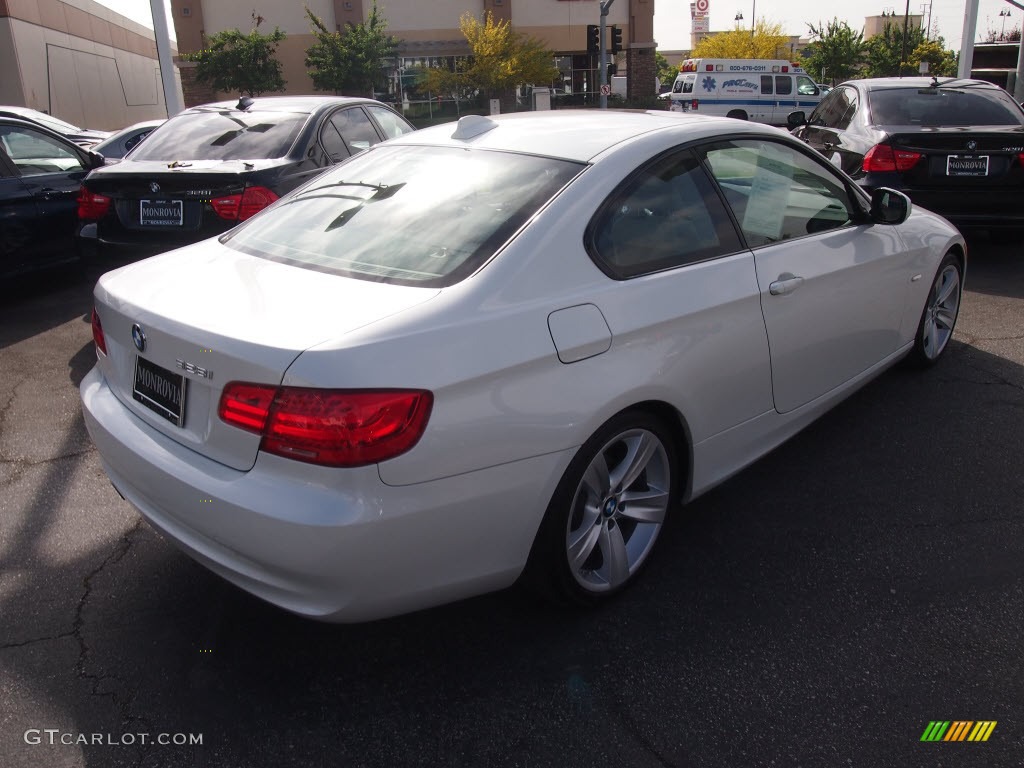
{"x":28,"y":123}
{"x":578,"y":135}
{"x":878,"y":83}
{"x":308,"y":104}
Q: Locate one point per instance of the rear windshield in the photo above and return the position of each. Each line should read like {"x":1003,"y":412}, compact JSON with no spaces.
{"x":409,"y":215}
{"x":942,"y":107}
{"x":224,"y":135}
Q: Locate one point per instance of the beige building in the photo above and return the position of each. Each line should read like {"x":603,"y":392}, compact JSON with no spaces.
{"x":79,"y":61}
{"x":429,"y":31}
{"x":873,"y":25}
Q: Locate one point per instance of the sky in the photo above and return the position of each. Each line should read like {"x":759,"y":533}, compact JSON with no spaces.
{"x":672,"y":17}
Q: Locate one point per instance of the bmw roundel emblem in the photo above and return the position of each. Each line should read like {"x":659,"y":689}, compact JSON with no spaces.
{"x":972,"y":144}
{"x":139,"y":337}
{"x":154,"y":187}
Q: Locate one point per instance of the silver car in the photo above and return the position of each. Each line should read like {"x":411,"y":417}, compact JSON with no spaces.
{"x":501,"y":349}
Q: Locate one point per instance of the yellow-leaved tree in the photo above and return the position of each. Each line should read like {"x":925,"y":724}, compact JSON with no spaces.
{"x":500,"y":60}
{"x":767,"y":42}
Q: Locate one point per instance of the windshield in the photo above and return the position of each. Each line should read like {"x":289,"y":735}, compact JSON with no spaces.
{"x":223,"y":135}
{"x":934,"y":107}
{"x":408,"y":215}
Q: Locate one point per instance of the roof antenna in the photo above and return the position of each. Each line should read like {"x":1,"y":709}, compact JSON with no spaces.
{"x":244,"y":103}
{"x":935,"y":82}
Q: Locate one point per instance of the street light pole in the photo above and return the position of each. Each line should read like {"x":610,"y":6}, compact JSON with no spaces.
{"x":603,"y":75}
{"x":906,"y":19}
{"x":753,"y":19}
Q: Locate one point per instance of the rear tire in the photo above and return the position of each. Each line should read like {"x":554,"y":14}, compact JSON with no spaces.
{"x":941,"y":309}
{"x":606,"y":514}
{"x":737,"y":114}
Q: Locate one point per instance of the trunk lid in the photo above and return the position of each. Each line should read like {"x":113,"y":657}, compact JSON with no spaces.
{"x":210,"y":315}
{"x":964,"y":157}
{"x":138,"y":188}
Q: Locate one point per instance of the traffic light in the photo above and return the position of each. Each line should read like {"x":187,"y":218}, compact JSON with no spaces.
{"x":613,"y":69}
{"x":593,"y":38}
{"x":616,"y":39}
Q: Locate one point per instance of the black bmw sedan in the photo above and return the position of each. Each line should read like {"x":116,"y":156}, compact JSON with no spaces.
{"x":212,"y":166}
{"x":956,"y":147}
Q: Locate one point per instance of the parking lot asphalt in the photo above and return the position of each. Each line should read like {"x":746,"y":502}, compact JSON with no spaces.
{"x":819,"y":609}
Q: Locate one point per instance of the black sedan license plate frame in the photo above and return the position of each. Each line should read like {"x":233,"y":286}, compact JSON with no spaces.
{"x":972,"y":165}
{"x":174,"y":218}
{"x":162,"y":391}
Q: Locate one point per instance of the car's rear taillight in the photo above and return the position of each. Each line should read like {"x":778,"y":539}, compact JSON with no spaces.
{"x":332,"y":427}
{"x":1020,"y":159}
{"x":97,"y":333}
{"x":91,"y":205}
{"x":882,"y":158}
{"x":245,"y":205}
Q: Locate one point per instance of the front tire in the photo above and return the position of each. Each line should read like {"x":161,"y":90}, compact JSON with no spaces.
{"x":607,"y":512}
{"x":940,"y":313}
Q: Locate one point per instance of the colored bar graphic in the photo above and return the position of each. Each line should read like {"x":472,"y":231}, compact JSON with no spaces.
{"x":958,"y":730}
{"x":935,"y":731}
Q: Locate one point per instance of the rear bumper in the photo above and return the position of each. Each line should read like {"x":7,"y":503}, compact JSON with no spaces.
{"x":974,"y":206}
{"x":92,"y":242}
{"x":336,"y":545}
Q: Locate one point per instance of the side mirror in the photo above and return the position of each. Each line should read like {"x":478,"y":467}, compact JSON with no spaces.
{"x":889,"y":206}
{"x":796,"y":120}
{"x":96,"y":160}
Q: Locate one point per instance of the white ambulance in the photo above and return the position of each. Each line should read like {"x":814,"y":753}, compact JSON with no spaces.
{"x":762,"y":90}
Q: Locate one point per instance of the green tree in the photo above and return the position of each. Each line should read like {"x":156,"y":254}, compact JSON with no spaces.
{"x":500,"y":60}
{"x":665,"y":72}
{"x":238,"y":63}
{"x":941,"y":62}
{"x":351,"y":61}
{"x":837,"y":51}
{"x":885,"y":50}
{"x":767,"y":42}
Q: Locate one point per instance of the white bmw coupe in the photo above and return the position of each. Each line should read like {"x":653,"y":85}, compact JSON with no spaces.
{"x":503,"y":348}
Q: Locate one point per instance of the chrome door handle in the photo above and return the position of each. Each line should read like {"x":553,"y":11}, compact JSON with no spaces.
{"x":784,"y":285}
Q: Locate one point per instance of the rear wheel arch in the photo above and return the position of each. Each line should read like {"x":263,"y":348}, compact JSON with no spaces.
{"x":547,"y":571}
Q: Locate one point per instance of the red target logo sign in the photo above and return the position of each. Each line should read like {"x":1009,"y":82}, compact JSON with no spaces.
{"x":702,"y":6}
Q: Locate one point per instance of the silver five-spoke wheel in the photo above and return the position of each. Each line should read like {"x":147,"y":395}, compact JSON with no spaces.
{"x":941,"y":312}
{"x":618,"y":510}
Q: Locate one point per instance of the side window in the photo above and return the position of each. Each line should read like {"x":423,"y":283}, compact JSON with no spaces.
{"x":665,"y":216}
{"x":783,"y":85}
{"x":34,"y":153}
{"x":766,"y":84}
{"x":830,"y":110}
{"x":850,"y":99}
{"x":677,"y":86}
{"x":688,"y":84}
{"x":392,"y":125}
{"x":805,"y":86}
{"x":355,"y":128}
{"x":333,"y":143}
{"x":776,"y":191}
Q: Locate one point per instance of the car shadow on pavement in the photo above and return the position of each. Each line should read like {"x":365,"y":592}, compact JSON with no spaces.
{"x":35,"y":303}
{"x":869,"y":572}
